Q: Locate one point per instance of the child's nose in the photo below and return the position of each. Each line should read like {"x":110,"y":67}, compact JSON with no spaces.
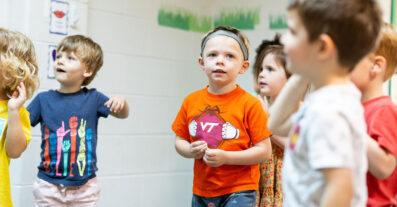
{"x":59,"y":61}
{"x":262,"y":74}
{"x":220,"y":59}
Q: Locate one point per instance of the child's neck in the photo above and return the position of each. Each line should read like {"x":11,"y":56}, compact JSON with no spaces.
{"x":69,"y":89}
{"x":219,"y":90}
{"x":374,"y":90}
{"x":337,"y":76}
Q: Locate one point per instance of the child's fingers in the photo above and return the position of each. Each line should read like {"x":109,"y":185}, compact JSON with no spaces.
{"x":208,"y":158}
{"x":210,"y":153}
{"x":121,"y":106}
{"x":198,"y":148}
{"x":115,"y":107}
{"x":109,"y":103}
{"x":197,"y":143}
{"x":14,"y":94}
{"x":22,"y":90}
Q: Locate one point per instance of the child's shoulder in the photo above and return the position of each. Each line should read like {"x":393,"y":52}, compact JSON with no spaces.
{"x":382,"y":106}
{"x":196,"y":94}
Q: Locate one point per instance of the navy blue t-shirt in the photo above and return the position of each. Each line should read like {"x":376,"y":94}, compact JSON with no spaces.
{"x":69,"y":123}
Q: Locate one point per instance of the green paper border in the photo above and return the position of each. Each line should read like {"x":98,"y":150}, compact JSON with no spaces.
{"x":393,"y":22}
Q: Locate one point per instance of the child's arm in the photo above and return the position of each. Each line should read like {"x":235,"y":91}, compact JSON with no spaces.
{"x":15,"y":138}
{"x":338,"y":187}
{"x":286,"y":104}
{"x":381,"y":163}
{"x":260,"y":152}
{"x":194,"y":150}
{"x":279,"y":141}
{"x":118,"y":107}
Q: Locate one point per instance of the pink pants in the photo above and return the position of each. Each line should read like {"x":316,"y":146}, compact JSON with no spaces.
{"x":51,"y":195}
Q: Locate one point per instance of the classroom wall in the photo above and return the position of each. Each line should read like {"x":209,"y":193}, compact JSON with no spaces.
{"x":154,"y":67}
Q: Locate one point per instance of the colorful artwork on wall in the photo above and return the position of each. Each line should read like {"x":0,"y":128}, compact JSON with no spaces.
{"x":184,"y":19}
{"x":277,"y":21}
{"x":238,"y":18}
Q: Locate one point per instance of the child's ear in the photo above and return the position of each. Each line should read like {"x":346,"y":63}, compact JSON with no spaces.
{"x":88,"y":73}
{"x":379,"y":66}
{"x":326,"y":47}
{"x":201,"y":62}
{"x":244,"y":67}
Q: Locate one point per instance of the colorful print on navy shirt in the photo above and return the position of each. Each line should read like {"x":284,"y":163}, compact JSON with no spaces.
{"x":69,"y":134}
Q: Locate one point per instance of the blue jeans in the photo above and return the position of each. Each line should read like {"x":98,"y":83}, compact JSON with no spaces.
{"x":239,"y":199}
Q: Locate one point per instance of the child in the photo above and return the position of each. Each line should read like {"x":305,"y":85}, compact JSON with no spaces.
{"x":18,"y":79}
{"x":222,"y":126}
{"x":270,"y":76}
{"x":381,"y":118}
{"x":325,"y":161}
{"x":69,"y":119}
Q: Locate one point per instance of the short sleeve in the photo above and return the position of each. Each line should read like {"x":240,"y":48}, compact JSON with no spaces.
{"x":330,"y":141}
{"x":103,"y":111}
{"x":34,"y":109}
{"x":180,"y":126}
{"x":257,"y":123}
{"x":25,"y":121}
{"x":384,"y":128}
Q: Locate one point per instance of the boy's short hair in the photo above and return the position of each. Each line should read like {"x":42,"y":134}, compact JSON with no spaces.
{"x":265,"y":48}
{"x":232,"y":30}
{"x":388,"y":49}
{"x":17,"y":62}
{"x":353,"y":25}
{"x":88,"y":51}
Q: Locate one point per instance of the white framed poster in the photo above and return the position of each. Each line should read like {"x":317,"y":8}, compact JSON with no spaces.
{"x":52,"y":50}
{"x":59,"y":17}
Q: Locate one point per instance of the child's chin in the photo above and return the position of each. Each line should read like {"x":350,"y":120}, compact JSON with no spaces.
{"x":264,"y":92}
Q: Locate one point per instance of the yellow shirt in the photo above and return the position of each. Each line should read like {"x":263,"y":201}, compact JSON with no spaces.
{"x":5,"y":188}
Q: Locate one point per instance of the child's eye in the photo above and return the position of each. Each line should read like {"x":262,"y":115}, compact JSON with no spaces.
{"x":260,"y":69}
{"x":270,"y":69}
{"x":71,"y":58}
{"x":211,"y":55}
{"x":58,"y":56}
{"x":230,"y":56}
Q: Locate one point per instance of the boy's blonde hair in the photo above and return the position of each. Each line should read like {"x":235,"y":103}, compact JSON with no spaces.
{"x":388,"y":49}
{"x":17,"y":62}
{"x":88,"y":52}
{"x":353,"y":25}
{"x":232,"y":30}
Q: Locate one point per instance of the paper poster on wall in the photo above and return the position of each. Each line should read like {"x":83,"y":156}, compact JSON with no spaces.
{"x":51,"y":60}
{"x":59,"y":17}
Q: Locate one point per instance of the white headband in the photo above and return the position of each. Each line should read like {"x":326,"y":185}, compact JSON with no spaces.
{"x":228,"y":34}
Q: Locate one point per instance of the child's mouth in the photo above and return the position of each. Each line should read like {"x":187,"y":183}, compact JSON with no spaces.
{"x":60,"y":70}
{"x":262,"y":84}
{"x":219,"y":71}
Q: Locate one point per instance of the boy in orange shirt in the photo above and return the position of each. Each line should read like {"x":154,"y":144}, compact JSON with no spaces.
{"x":222,"y":126}
{"x":381,"y":118}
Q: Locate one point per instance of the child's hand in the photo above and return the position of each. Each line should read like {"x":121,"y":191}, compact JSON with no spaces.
{"x":198,"y":149}
{"x":264,"y":102}
{"x":215,"y":157}
{"x":18,"y":98}
{"x":116,"y":104}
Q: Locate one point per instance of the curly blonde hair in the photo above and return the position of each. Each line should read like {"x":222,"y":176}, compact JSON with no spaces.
{"x":17,"y":62}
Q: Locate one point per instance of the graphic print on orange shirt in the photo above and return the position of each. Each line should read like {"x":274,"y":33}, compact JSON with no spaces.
{"x":209,"y":126}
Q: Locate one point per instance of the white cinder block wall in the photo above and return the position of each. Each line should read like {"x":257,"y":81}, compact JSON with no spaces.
{"x":154,"y":67}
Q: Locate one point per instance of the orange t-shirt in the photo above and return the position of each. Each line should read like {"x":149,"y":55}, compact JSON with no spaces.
{"x":232,"y":122}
